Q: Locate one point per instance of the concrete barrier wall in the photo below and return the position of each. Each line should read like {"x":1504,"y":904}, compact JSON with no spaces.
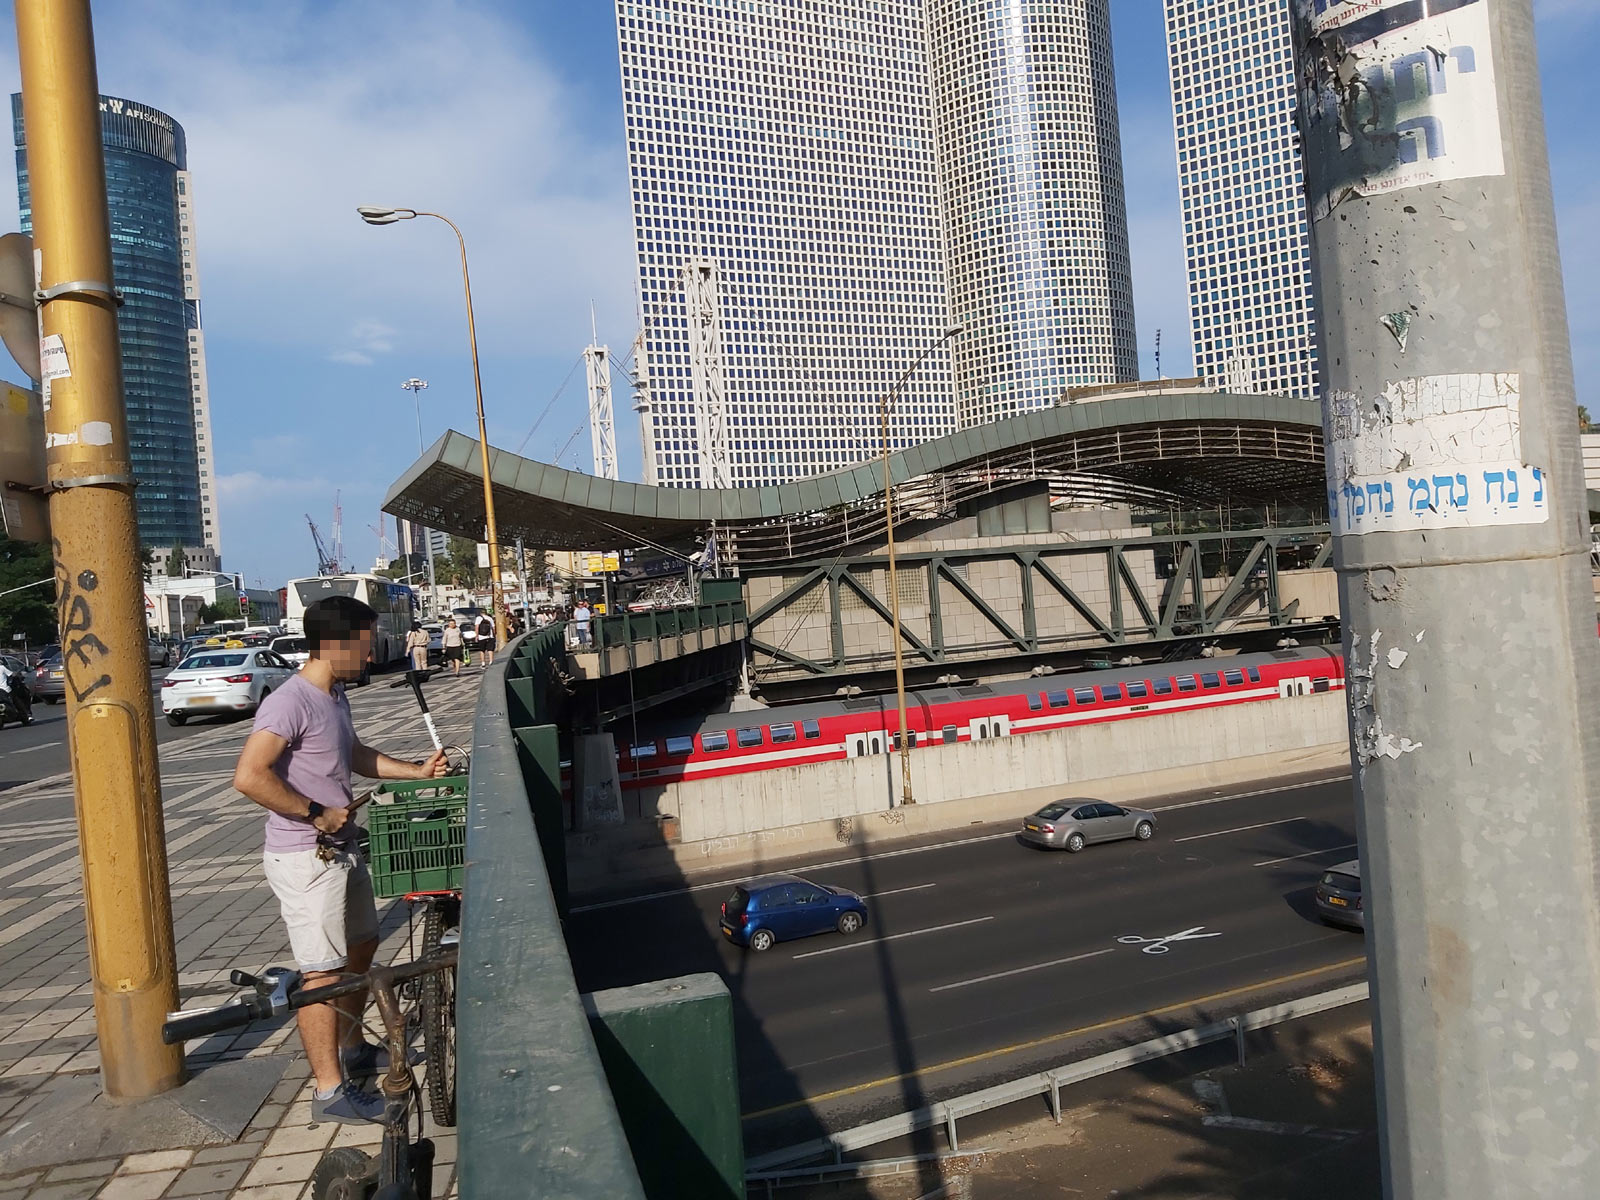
{"x":800,"y":809}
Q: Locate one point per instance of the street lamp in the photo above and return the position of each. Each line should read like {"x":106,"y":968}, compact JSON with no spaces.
{"x":415,"y":386}
{"x":374,"y":215}
{"x":894,"y":590}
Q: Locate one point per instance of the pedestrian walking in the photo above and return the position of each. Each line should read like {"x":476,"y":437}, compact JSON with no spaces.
{"x":581,"y":617}
{"x":296,"y":764}
{"x":485,"y":642}
{"x":417,"y":643}
{"x":453,"y":648}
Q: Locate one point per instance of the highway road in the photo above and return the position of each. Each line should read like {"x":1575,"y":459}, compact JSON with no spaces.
{"x":38,"y":751}
{"x":985,"y":959}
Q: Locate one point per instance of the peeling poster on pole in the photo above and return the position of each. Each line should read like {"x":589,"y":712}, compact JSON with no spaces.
{"x":1395,"y":94}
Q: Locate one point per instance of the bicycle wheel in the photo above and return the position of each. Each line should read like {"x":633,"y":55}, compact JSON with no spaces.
{"x":344,"y":1174}
{"x":439,"y":1022}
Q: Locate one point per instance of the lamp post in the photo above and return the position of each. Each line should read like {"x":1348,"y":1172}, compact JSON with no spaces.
{"x":894,"y":590}
{"x":415,"y":386}
{"x":373,"y":215}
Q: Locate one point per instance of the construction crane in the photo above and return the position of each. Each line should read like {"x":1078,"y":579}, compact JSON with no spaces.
{"x":338,"y":531}
{"x":384,"y":544}
{"x":326,"y":563}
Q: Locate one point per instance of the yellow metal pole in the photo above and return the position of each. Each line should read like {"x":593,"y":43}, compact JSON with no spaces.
{"x":110,"y":728}
{"x":497,"y":601}
{"x":894,"y":609}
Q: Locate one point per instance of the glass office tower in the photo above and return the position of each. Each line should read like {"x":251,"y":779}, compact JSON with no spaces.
{"x":821,"y":189}
{"x":1030,"y":162}
{"x":163,"y":372}
{"x":1252,"y":306}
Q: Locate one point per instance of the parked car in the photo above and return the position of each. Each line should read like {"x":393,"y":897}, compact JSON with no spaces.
{"x":158,"y":652}
{"x":227,"y":680}
{"x":50,"y":679}
{"x":291,"y":648}
{"x":776,"y":908}
{"x":1073,"y":824}
{"x":435,"y":633}
{"x":1338,"y":895}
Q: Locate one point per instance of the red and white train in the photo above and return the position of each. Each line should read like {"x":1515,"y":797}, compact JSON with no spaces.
{"x":736,"y":743}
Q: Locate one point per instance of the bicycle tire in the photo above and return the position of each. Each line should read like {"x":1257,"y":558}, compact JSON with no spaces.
{"x":439,"y":1024}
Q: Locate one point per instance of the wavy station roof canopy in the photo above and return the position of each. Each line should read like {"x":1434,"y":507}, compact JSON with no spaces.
{"x":1188,"y":450}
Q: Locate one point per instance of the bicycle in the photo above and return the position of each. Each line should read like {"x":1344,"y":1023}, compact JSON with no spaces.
{"x":402,"y":1169}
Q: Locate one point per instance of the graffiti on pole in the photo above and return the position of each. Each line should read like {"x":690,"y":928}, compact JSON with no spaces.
{"x":1394,"y":94}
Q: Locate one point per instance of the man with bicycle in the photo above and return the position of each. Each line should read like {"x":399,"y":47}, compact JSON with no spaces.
{"x":297,"y":764}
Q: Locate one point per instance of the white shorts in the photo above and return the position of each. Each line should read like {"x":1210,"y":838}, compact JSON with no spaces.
{"x":327,"y":906}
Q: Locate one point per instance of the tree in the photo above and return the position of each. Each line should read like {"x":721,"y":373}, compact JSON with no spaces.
{"x":177,"y":562}
{"x":226,"y":609}
{"x":147,"y":562}
{"x":1585,"y":425}
{"x":461,"y":563}
{"x":31,"y":611}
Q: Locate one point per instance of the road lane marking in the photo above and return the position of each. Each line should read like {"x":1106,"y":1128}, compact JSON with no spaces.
{"x":1035,"y":1043}
{"x":1195,"y":837}
{"x":40,"y":746}
{"x":851,"y":945}
{"x":915,"y":887}
{"x":621,"y":901}
{"x":1267,"y":862}
{"x":1054,"y":962}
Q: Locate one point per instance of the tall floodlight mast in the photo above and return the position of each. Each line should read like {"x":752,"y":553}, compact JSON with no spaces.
{"x":602,"y":417}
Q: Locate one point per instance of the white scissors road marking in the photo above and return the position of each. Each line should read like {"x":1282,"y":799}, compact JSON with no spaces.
{"x":1161,"y":945}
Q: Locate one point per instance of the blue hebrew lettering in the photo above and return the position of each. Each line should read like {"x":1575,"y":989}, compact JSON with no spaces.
{"x":1353,"y":496}
{"x":1490,"y":478}
{"x":1375,"y":494}
{"x":1432,"y":131}
{"x":1419,"y":485}
{"x":1405,"y":74}
{"x":1441,"y":490}
{"x":1511,"y":477}
{"x":1388,"y":496}
{"x":1466,"y":60}
{"x":1462,"y":495}
{"x":1538,"y":486}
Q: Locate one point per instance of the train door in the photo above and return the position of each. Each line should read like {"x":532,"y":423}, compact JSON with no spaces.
{"x":859,"y":744}
{"x":988,"y":727}
{"x":1298,"y":686}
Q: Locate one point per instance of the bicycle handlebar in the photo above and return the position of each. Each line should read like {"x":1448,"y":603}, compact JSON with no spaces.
{"x":202,"y":1024}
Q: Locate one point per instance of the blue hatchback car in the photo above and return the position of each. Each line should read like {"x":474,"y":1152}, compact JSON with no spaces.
{"x":776,"y":908}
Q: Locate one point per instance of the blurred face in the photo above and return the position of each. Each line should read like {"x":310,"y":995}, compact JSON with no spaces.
{"x":348,"y":656}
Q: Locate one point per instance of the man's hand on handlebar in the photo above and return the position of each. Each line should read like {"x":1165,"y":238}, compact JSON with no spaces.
{"x":332,"y":820}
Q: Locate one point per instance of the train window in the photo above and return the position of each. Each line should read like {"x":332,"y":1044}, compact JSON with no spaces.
{"x":1161,"y":687}
{"x":1083,"y":695}
{"x":1319,"y":684}
{"x":1234,"y":678}
{"x":749,"y":736}
{"x":1254,"y":675}
{"x":643,"y":750}
{"x":1035,"y":702}
{"x":712,"y":742}
{"x":1185,"y":683}
{"x":1137,"y":691}
{"x":811,"y":729}
{"x":782,"y":733}
{"x":950,"y":735}
{"x":1110,"y":692}
{"x":911,"y":737}
{"x":1211,"y":679}
{"x":680,"y":745}
{"x":1058,"y":699}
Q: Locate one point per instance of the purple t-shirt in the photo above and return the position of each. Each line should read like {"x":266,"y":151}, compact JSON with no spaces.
{"x":315,"y":763}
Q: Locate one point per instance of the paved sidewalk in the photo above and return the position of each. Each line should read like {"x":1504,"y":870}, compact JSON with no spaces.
{"x":224,"y":916}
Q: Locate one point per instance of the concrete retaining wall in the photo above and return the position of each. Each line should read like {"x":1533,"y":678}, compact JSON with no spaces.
{"x":796,"y":810}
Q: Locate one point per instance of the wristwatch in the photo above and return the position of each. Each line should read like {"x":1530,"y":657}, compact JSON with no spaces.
{"x":314,"y":810}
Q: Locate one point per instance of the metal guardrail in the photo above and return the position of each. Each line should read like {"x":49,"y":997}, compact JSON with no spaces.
{"x":623,"y":628}
{"x":536,"y":1110}
{"x":1043,"y":1083}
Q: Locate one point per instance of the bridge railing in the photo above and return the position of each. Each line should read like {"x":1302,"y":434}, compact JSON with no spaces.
{"x":624,"y":628}
{"x":536,"y":1111}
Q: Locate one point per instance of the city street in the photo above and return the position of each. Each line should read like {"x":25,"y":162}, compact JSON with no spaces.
{"x":224,"y":916}
{"x":984,"y":959}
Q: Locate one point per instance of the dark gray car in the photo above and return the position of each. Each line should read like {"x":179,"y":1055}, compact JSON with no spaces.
{"x":1338,"y":895}
{"x":1073,"y":824}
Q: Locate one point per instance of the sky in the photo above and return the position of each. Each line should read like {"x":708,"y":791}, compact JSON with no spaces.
{"x":507,"y":117}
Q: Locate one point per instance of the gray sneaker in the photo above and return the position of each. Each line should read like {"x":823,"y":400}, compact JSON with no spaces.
{"x":349,"y":1106}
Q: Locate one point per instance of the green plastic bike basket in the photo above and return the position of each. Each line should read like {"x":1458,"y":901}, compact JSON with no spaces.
{"x":418,"y":836}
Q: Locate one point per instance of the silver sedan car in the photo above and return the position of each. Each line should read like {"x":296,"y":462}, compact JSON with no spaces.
{"x":1073,"y":824}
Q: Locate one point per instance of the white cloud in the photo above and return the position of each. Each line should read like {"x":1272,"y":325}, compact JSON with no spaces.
{"x":366,"y":339}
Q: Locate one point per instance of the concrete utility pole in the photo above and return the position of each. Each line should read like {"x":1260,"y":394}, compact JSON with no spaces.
{"x":1457,"y":497}
{"x":110,"y":729}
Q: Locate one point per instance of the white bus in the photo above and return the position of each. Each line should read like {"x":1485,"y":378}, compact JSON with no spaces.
{"x":394,"y":603}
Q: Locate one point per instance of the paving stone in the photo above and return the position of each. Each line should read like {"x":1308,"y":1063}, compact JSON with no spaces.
{"x":101,"y":1168}
{"x":155,"y":1160}
{"x":284,"y":1169}
{"x":79,"y":1189}
{"x":215,"y":1177}
{"x":147,"y":1185}
{"x":229,"y":1153}
{"x":294,"y":1139}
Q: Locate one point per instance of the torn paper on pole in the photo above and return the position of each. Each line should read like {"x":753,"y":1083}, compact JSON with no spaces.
{"x":1393,"y":97}
{"x":1434,"y":452}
